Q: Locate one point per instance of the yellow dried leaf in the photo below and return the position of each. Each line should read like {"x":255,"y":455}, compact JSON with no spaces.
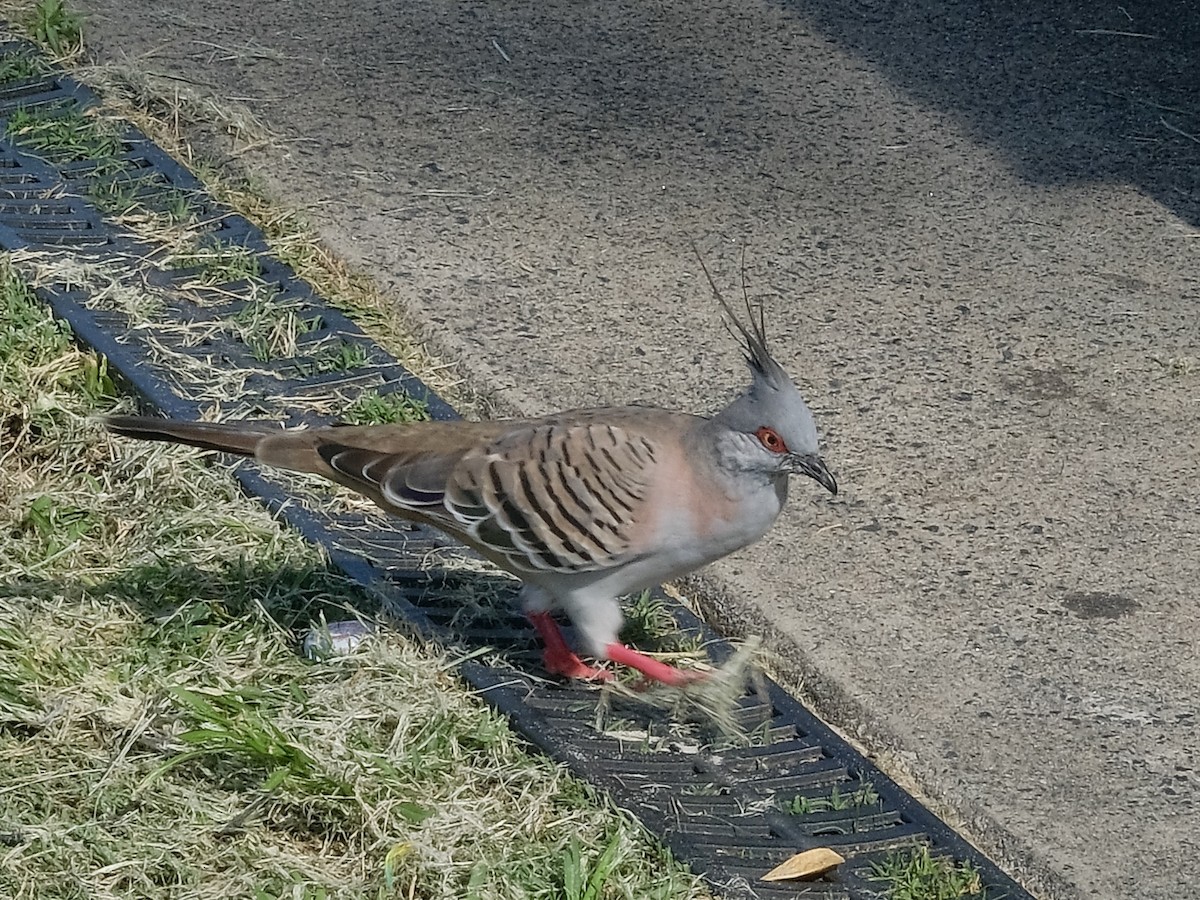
{"x":807,"y":864}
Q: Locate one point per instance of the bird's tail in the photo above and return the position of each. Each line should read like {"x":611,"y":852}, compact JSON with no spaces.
{"x":241,"y":438}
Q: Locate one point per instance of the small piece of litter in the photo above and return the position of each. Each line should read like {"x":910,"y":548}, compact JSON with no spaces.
{"x":336,"y":638}
{"x":807,"y":864}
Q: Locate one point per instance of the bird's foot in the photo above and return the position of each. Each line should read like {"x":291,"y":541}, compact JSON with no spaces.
{"x":558,"y":658}
{"x":568,"y":665}
{"x":652,"y":669}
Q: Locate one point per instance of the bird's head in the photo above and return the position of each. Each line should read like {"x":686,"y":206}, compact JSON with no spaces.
{"x":778,"y":434}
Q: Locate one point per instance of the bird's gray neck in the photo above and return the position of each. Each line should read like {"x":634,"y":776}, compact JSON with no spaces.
{"x":730,"y":451}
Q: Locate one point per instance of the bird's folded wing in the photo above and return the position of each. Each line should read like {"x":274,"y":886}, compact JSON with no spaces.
{"x":544,"y":496}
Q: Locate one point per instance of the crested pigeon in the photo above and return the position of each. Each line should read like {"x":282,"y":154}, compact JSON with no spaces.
{"x":582,"y":506}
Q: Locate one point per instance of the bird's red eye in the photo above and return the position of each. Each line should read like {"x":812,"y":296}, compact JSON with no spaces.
{"x":770,"y":439}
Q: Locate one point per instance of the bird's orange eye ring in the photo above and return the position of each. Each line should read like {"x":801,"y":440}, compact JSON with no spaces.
{"x":770,"y":439}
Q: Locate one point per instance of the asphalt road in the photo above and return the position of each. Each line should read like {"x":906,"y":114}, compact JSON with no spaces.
{"x":975,"y":231}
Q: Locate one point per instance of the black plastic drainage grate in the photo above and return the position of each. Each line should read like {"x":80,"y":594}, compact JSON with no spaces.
{"x":721,"y":809}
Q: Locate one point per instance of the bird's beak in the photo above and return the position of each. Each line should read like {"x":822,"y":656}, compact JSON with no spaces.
{"x":814,"y":467}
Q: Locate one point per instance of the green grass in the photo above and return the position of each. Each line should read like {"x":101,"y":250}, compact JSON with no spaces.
{"x":177,"y":205}
{"x":650,"y":625}
{"x":918,"y":875}
{"x":862,"y":796}
{"x":20,"y":66}
{"x":219,"y":264}
{"x":334,"y":356}
{"x":115,"y":195}
{"x":25,"y":328}
{"x":271,"y":331}
{"x":160,"y":736}
{"x":65,"y":135}
{"x":373,"y":408}
{"x":121,"y":196}
{"x":55,"y":27}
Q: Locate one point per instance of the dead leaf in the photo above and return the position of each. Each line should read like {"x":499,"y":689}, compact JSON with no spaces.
{"x":807,"y":864}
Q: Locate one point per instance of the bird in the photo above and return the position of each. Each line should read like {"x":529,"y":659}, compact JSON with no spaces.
{"x":583,"y":506}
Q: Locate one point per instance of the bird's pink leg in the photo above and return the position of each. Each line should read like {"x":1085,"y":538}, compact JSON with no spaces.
{"x":558,"y":658}
{"x":651,"y":668}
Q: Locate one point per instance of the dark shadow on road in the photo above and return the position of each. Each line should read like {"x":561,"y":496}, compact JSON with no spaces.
{"x":1067,"y":91}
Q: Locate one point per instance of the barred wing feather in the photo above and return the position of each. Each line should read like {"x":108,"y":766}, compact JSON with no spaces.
{"x":546,"y":497}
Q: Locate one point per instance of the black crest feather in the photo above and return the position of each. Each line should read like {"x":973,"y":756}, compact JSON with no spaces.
{"x":753,"y":335}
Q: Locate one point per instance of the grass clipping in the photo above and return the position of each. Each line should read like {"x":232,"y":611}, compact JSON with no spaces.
{"x":715,"y":702}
